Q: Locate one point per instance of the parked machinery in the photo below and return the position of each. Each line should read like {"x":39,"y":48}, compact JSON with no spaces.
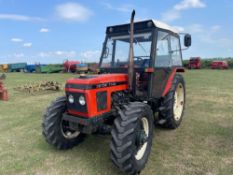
{"x":3,"y":90}
{"x":122,"y":99}
{"x":17,"y":67}
{"x":4,"y":68}
{"x":194,"y":63}
{"x":70,"y":66}
{"x":219,"y":65}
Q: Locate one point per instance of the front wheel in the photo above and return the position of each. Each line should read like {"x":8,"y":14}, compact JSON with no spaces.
{"x":132,"y":135}
{"x":56,"y":130}
{"x":173,"y":104}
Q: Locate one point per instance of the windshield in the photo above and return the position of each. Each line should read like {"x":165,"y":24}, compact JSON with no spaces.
{"x":117,"y":50}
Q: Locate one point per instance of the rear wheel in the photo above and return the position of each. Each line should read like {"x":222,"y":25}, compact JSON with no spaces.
{"x":56,"y":130}
{"x":172,"y":108}
{"x":132,"y":135}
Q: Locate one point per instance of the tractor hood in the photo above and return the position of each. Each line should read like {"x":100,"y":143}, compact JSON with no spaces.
{"x":96,"y":81}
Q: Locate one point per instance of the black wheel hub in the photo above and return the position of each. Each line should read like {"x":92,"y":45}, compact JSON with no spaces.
{"x":141,"y":138}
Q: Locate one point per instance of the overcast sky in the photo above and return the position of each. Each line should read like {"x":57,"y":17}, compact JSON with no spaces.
{"x":52,"y":31}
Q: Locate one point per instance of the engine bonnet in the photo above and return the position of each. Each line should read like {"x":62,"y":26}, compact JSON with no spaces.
{"x":101,"y":79}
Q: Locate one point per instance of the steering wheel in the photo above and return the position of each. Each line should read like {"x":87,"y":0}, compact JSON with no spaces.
{"x":138,"y":58}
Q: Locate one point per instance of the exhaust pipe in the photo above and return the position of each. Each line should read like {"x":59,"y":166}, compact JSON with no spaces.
{"x":131,"y":53}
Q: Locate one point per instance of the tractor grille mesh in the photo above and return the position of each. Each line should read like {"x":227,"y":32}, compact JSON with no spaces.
{"x":101,"y":98}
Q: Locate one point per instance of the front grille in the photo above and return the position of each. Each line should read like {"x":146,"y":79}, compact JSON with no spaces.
{"x":76,"y":106}
{"x":101,"y":98}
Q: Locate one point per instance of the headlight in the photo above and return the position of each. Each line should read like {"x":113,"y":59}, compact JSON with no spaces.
{"x":82,"y":100}
{"x":71,"y":99}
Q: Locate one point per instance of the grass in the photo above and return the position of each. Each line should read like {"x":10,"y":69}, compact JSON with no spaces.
{"x":202,"y":145}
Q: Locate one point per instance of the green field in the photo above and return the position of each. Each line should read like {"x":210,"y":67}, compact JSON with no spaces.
{"x":203,"y":145}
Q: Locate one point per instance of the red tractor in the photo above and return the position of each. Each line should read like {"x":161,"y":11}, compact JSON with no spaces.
{"x":122,"y":99}
{"x":70,"y":66}
{"x":219,"y":65}
{"x":194,"y":63}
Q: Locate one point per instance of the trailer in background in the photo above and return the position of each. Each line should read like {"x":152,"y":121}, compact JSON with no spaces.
{"x":51,"y":68}
{"x":93,"y":67}
{"x":4,"y":68}
{"x":17,"y":67}
{"x":38,"y":67}
{"x":219,"y":65}
{"x":87,"y":68}
{"x":194,"y":63}
{"x":30,"y":68}
{"x":82,"y":68}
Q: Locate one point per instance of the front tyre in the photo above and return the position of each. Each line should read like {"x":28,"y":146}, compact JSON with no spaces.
{"x":173,"y":104}
{"x":55,"y":130}
{"x":132,"y":135}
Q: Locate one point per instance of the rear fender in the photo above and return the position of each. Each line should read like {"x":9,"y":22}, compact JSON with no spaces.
{"x":170,"y":79}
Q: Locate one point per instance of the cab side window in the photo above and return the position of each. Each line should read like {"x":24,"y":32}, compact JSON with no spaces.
{"x":175,"y":52}
{"x":168,"y":51}
{"x":162,"y":50}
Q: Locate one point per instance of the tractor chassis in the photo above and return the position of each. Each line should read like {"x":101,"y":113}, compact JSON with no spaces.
{"x":88,"y":125}
{"x":102,"y":123}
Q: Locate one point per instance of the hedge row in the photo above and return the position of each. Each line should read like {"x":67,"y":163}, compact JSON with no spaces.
{"x":205,"y":63}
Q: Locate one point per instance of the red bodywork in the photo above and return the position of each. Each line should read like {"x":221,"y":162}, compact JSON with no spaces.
{"x":219,"y":65}
{"x":106,"y":82}
{"x":194,"y":63}
{"x":90,"y":94}
{"x":3,"y":92}
{"x":170,"y":79}
{"x":70,"y":66}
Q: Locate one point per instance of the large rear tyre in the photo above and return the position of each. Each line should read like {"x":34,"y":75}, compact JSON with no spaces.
{"x":55,"y":130}
{"x":132,"y":135}
{"x":172,"y":108}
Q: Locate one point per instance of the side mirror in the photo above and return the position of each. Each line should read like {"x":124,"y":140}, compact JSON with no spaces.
{"x":187,"y":40}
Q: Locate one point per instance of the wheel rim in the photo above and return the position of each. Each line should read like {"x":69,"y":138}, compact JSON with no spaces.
{"x":178,"y":102}
{"x":66,"y":132}
{"x":145,"y":130}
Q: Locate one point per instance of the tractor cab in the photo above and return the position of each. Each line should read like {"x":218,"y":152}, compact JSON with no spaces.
{"x":157,"y":51}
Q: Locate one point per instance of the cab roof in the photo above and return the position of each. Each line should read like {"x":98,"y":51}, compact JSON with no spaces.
{"x":165,"y":26}
{"x":140,"y":26}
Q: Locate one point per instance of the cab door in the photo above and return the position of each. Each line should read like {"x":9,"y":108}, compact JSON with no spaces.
{"x":168,"y":56}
